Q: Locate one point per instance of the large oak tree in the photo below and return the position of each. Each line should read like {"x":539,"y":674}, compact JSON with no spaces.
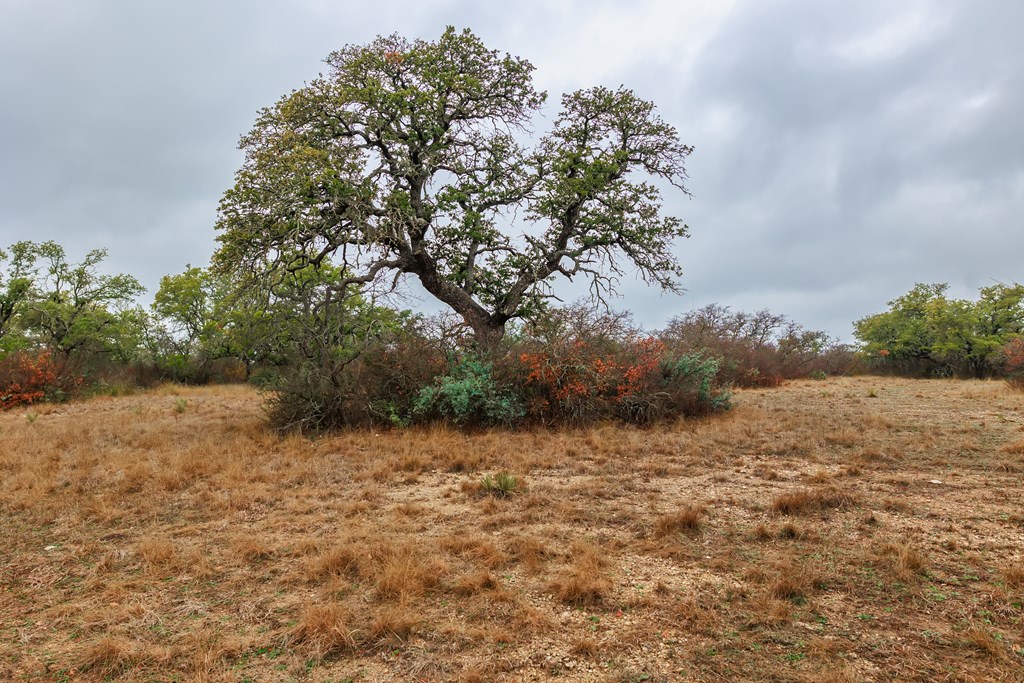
{"x":418,"y":158}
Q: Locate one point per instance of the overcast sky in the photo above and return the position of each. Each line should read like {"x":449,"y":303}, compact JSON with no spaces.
{"x":844,"y":151}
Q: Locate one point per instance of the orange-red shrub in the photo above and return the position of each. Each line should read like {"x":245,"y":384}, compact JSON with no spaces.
{"x":30,"y":377}
{"x":636,"y":379}
{"x":1013,"y":354}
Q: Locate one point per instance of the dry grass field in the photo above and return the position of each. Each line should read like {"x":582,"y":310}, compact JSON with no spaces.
{"x":861,"y":529}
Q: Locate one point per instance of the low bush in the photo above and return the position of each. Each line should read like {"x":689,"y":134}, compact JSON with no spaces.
{"x":592,"y":374}
{"x":359,"y":380}
{"x":28,"y":377}
{"x":468,"y":396}
{"x":1013,"y":363}
{"x":640,"y":382}
{"x":760,"y":349}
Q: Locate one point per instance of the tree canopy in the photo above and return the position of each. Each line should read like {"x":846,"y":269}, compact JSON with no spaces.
{"x":15,"y":285}
{"x":76,"y":308}
{"x":415,"y":158}
{"x":926,"y":331}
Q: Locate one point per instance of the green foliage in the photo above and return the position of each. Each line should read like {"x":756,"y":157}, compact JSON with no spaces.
{"x":16,"y":282}
{"x":185,"y":302}
{"x":694,"y":374}
{"x":925,"y":332}
{"x":79,"y":310}
{"x":469,"y":396}
{"x":501,"y":485}
{"x":406,"y":159}
{"x":72,"y":314}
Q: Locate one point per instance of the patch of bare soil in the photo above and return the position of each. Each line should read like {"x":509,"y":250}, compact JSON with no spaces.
{"x":861,"y":529}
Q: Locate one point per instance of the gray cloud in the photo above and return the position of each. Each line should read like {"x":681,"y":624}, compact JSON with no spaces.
{"x":843,"y":153}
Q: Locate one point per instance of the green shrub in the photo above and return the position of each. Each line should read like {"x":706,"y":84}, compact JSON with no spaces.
{"x":469,"y":397}
{"x":695,"y":377}
{"x":681,"y":386}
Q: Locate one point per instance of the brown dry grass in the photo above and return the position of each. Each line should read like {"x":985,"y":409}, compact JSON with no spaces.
{"x":324,"y":629}
{"x":838,"y":538}
{"x":686,"y":520}
{"x":806,"y":501}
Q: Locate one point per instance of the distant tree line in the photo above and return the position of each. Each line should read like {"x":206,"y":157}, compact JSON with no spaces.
{"x":926,"y":333}
{"x":67,"y":329}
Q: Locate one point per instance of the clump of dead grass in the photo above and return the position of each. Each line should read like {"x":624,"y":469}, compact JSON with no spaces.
{"x":983,"y":641}
{"x":585,"y":647}
{"x":1015,"y":448}
{"x":699,"y":614}
{"x":790,"y":531}
{"x":475,"y":582}
{"x":406,"y":571}
{"x":208,"y":650}
{"x":108,"y":656}
{"x":476,"y":549}
{"x":906,"y":561}
{"x":529,"y":553}
{"x":583,"y":582}
{"x":157,"y":553}
{"x":794,"y":581}
{"x":392,"y":626}
{"x":337,"y":560}
{"x":807,"y":501}
{"x":686,"y":520}
{"x":252,"y":549}
{"x":766,"y":611}
{"x":789,"y":587}
{"x":324,"y":629}
{"x":1014,"y":576}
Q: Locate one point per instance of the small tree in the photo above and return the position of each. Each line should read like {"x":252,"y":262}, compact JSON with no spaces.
{"x":409,"y":158}
{"x":185,"y":303}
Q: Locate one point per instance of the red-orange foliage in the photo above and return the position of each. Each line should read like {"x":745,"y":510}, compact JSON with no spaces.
{"x":25,"y":378}
{"x":647,"y":354}
{"x":573,"y":374}
{"x":564,"y":379}
{"x":1013,"y":353}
